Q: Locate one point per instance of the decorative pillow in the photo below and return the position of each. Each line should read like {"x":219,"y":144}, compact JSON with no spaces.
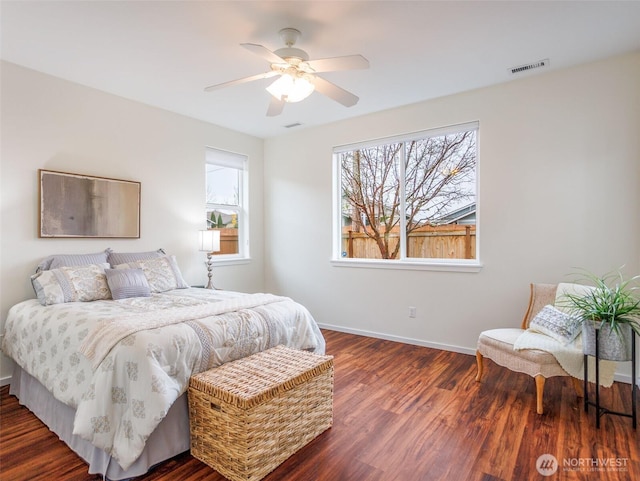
{"x":556,"y":324}
{"x":125,"y":283}
{"x":67,"y":260}
{"x":162,"y":273}
{"x":71,"y":284}
{"x":117,"y":258}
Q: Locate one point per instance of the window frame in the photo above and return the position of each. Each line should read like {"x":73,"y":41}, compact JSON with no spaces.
{"x":402,"y":262}
{"x":224,"y":158}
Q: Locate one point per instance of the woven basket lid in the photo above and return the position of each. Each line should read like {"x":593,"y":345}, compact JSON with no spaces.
{"x":255,"y":379}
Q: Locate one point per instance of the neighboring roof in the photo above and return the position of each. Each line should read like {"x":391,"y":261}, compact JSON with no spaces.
{"x":462,"y":215}
{"x":226,"y":218}
{"x":459,"y":215}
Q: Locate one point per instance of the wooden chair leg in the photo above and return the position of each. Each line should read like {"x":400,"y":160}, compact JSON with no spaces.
{"x":480,"y":363}
{"x":577,"y":385}
{"x":539,"y":392}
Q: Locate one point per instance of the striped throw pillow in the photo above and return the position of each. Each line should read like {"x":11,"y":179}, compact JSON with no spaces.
{"x":125,"y":283}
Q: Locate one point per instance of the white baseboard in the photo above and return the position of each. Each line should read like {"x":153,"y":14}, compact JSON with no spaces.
{"x":620,"y":377}
{"x":5,"y":380}
{"x":404,"y":340}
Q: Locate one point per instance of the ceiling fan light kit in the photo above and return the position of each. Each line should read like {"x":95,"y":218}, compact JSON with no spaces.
{"x":291,"y":88}
{"x":298,"y":75}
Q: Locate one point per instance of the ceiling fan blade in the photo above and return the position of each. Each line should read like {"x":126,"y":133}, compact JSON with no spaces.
{"x":348,"y":62}
{"x":263,"y":52}
{"x":275,"y":107}
{"x":334,"y":92}
{"x":241,"y":81}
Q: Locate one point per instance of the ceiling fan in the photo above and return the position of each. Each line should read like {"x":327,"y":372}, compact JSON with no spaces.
{"x":297,"y":77}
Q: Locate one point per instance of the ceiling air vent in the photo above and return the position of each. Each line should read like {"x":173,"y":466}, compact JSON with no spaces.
{"x":529,"y":66}
{"x":297,"y":124}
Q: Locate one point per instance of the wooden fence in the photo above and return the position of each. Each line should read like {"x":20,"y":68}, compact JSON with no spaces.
{"x":228,"y":241}
{"x":437,"y":242}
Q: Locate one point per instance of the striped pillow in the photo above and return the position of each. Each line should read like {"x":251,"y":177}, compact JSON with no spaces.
{"x":68,"y":260}
{"x":125,"y":283}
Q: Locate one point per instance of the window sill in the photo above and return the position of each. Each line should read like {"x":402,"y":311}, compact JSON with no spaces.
{"x":430,"y":265}
{"x":229,"y":261}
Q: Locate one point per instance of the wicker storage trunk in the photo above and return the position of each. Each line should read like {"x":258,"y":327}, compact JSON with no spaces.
{"x":250,"y":415}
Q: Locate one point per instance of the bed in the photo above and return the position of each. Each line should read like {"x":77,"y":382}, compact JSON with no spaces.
{"x":107,"y":370}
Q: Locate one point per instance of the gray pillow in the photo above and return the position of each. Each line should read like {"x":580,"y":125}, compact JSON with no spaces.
{"x":68,"y":260}
{"x":556,"y":324}
{"x":125,"y":283}
{"x":117,"y":258}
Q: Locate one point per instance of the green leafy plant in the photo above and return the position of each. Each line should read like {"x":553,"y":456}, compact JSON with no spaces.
{"x":613,"y":300}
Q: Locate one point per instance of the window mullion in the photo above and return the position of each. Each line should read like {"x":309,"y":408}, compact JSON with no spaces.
{"x":403,"y":218}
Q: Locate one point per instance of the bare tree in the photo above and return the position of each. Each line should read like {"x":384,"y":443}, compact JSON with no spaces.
{"x":439,"y":174}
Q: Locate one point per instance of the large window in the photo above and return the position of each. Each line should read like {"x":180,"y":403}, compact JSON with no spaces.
{"x":226,"y":205}
{"x":409,"y":199}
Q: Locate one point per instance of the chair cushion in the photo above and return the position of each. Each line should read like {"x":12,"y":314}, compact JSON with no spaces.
{"x":497,"y":345}
{"x":506,"y":335}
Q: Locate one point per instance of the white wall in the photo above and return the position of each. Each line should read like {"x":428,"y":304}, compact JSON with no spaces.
{"x":53,"y":124}
{"x":559,"y":188}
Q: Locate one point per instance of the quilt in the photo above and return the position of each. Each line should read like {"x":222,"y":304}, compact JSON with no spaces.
{"x":121,"y":364}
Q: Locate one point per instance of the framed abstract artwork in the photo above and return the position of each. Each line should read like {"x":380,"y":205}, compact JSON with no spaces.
{"x":75,"y":205}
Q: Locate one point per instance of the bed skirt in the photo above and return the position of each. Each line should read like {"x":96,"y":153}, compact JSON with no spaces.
{"x":170,"y":438}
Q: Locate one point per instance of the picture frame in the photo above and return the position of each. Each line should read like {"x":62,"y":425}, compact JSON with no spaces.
{"x":77,"y":205}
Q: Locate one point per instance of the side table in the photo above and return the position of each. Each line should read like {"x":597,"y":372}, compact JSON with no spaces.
{"x":599,"y":409}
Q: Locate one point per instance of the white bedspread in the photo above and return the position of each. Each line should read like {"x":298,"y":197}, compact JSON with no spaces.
{"x":139,"y":373}
{"x":108,"y":332}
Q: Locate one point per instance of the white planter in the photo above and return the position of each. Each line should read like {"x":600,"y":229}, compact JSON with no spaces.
{"x":611,"y":345}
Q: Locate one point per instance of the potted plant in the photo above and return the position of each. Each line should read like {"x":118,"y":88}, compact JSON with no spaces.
{"x":612,"y":306}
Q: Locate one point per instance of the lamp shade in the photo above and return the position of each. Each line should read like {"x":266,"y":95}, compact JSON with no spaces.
{"x":210,"y":240}
{"x":290,"y":88}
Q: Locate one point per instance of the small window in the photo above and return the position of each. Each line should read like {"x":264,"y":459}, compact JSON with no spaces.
{"x":226,"y":209}
{"x":409,"y":199}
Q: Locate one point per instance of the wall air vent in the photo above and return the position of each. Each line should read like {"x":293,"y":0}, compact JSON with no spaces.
{"x":296,"y":124}
{"x":529,"y":66}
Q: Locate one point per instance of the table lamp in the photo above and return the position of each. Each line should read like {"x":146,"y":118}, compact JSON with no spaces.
{"x":210,"y":243}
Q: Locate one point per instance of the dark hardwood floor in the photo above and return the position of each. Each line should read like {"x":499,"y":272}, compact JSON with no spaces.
{"x":401,"y":413}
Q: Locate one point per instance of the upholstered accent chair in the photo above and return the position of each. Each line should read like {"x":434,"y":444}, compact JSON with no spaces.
{"x":497,"y":345}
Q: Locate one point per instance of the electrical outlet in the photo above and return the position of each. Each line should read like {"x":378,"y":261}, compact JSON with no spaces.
{"x":412,"y":311}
